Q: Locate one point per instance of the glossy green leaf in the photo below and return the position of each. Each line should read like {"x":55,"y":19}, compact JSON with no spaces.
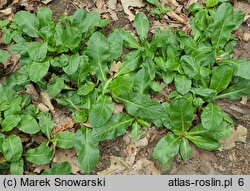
{"x":10,"y":122}
{"x":70,"y":38}
{"x":3,"y":55}
{"x":28,"y":125}
{"x":167,"y":148}
{"x":142,"y":81}
{"x":212,"y":3}
{"x":129,"y":40}
{"x":211,"y":116}
{"x":224,"y":23}
{"x":46,"y":123}
{"x":221,"y":77}
{"x":101,"y":111}
{"x":141,"y":25}
{"x":64,"y":140}
{"x":12,"y":148}
{"x":86,"y":88}
{"x":204,"y":142}
{"x":98,"y":50}
{"x":73,"y":64}
{"x":38,"y":70}
{"x":122,"y":84}
{"x":236,"y":91}
{"x":115,"y":127}
{"x":154,"y":2}
{"x":179,"y":115}
{"x":38,"y":51}
{"x":55,"y":86}
{"x":39,"y":155}
{"x":242,"y":68}
{"x":62,"y":168}
{"x":2,"y":137}
{"x":182,"y":84}
{"x":28,"y":23}
{"x":17,"y":168}
{"x":142,"y":106}
{"x":190,"y":66}
{"x":136,"y":131}
{"x":87,"y":149}
{"x":185,"y":149}
{"x":130,"y":63}
{"x":44,"y":15}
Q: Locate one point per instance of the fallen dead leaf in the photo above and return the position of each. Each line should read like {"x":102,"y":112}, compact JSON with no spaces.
{"x":118,"y":108}
{"x":67,"y":155}
{"x":239,"y":135}
{"x":126,"y":4}
{"x":46,"y":99}
{"x":39,"y":168}
{"x":45,"y":2}
{"x":112,"y":4}
{"x":30,"y":89}
{"x":114,"y":67}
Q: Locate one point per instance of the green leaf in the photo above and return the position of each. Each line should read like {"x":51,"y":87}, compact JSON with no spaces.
{"x":17,"y":168}
{"x":116,"y":45}
{"x":44,"y":14}
{"x":70,"y":38}
{"x":212,"y":3}
{"x":144,"y":123}
{"x":129,"y":40}
{"x":179,"y":115}
{"x":38,"y":70}
{"x":167,"y":148}
{"x":182,"y":84}
{"x":4,"y":55}
{"x":38,"y":51}
{"x":190,"y":66}
{"x":141,"y":25}
{"x":211,"y":116}
{"x":28,"y":23}
{"x":10,"y":122}
{"x":236,"y":91}
{"x":115,"y":127}
{"x":154,"y":2}
{"x":204,"y":142}
{"x":39,"y":155}
{"x":2,"y":137}
{"x":98,"y":50}
{"x":185,"y":149}
{"x":64,"y":140}
{"x":221,"y":77}
{"x":46,"y":124}
{"x":101,"y":111}
{"x":55,"y":86}
{"x":142,"y":106}
{"x":224,"y":23}
{"x":73,"y":64}
{"x":142,"y":81}
{"x":136,"y":131}
{"x":62,"y":168}
{"x":28,"y":125}
{"x":130,"y":63}
{"x":122,"y":84}
{"x":12,"y":148}
{"x":242,"y":68}
{"x":87,"y":149}
{"x":86,"y":88}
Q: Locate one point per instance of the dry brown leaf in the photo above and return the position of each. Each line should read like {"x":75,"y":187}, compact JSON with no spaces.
{"x":118,"y":108}
{"x":67,"y":155}
{"x":30,"y":89}
{"x":2,"y":3}
{"x":114,"y":67}
{"x":46,"y":99}
{"x":38,"y":138}
{"x":112,"y":4}
{"x":126,"y":4}
{"x":239,"y":135}
{"x":100,"y":4}
{"x":42,"y":107}
{"x":113,"y":14}
{"x":39,"y":168}
{"x":62,"y":121}
{"x":45,"y":2}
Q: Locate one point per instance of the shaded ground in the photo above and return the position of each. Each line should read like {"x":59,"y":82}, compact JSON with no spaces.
{"x":124,"y":156}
